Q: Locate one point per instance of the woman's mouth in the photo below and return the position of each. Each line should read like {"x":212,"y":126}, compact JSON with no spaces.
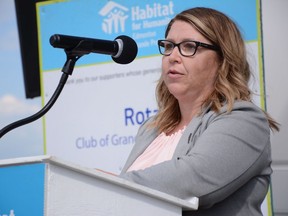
{"x":174,"y":74}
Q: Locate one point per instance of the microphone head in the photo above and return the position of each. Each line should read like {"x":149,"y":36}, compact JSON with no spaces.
{"x":128,"y":50}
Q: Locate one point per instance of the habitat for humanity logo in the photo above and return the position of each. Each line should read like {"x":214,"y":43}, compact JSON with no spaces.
{"x":114,"y":17}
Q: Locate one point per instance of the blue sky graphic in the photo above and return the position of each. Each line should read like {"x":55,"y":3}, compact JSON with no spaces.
{"x":28,"y":139}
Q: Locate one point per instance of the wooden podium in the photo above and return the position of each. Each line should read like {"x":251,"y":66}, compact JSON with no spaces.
{"x":44,"y":185}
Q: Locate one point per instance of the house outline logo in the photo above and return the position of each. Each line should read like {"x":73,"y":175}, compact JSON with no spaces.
{"x":114,"y":19}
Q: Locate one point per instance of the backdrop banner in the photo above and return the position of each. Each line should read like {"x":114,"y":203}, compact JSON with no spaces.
{"x":22,"y":190}
{"x":95,"y":119}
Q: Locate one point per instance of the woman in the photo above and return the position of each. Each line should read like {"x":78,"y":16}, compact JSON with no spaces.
{"x":208,"y":139}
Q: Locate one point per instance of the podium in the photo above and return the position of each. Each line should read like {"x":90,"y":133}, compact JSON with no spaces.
{"x":45,"y":185}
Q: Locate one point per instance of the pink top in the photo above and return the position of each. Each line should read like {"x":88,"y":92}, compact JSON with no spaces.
{"x":160,"y":150}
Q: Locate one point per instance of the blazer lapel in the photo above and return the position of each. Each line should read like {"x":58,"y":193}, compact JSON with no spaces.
{"x":187,"y":138}
{"x":190,"y":134}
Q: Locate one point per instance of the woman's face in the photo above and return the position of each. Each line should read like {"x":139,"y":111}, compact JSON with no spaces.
{"x":189,"y":78}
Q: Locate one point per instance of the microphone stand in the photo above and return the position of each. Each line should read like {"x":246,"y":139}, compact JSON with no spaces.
{"x":72,"y":57}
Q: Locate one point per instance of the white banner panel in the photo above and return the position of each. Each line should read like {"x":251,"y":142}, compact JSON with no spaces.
{"x":96,"y":128}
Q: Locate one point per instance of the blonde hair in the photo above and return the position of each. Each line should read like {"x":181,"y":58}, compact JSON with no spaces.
{"x":233,"y":75}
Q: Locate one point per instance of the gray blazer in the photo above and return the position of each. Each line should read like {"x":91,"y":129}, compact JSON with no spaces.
{"x":223,"y":159}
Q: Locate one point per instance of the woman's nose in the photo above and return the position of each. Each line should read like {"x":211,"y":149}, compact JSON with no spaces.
{"x":175,"y":55}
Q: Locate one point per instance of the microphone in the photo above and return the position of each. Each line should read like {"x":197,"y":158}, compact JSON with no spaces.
{"x":123,"y":49}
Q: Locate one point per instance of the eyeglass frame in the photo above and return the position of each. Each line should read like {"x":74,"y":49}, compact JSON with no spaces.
{"x":198,"y":43}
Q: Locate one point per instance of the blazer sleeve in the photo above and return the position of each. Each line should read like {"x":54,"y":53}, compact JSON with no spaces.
{"x":230,"y":150}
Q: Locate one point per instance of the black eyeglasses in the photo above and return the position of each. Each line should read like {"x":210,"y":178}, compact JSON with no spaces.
{"x":186,"y":48}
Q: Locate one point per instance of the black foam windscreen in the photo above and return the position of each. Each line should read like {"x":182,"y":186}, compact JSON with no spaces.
{"x":129,"y":52}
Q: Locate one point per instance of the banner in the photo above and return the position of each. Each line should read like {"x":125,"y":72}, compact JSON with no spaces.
{"x":96,"y":117}
{"x":22,"y":190}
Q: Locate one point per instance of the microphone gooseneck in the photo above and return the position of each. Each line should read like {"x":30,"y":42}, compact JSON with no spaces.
{"x":40,"y":113}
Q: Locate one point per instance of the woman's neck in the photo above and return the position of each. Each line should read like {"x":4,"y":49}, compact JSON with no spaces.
{"x":189,"y":110}
{"x":187,"y":114}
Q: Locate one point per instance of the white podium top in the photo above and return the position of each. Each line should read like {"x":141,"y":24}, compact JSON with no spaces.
{"x":192,"y":204}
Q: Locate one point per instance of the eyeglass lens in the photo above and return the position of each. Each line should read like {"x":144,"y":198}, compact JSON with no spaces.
{"x":186,"y":48}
